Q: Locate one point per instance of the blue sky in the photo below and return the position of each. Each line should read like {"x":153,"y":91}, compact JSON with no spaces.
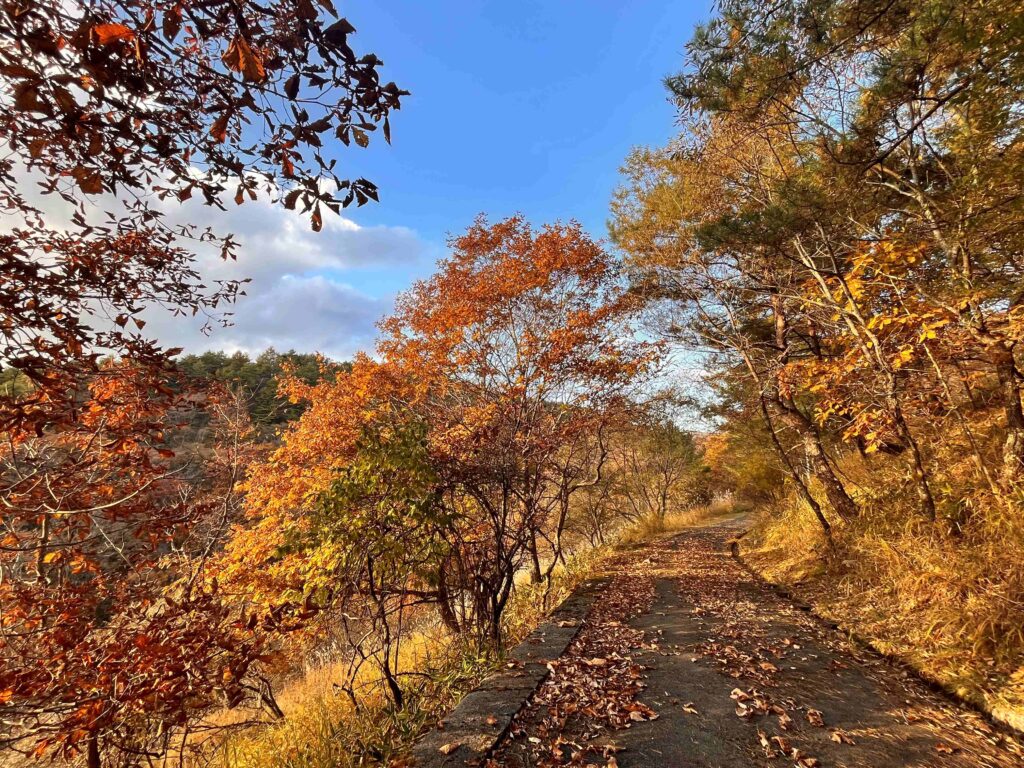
{"x":527,"y":106}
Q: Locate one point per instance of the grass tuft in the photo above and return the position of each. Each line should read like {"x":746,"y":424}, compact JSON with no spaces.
{"x":947,"y":601}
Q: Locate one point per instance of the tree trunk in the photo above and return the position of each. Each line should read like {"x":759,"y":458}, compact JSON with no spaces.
{"x":536,"y":573}
{"x":1013,"y":445}
{"x":389,"y":676}
{"x":836,"y":494}
{"x":921,"y":485}
{"x":817,"y":459}
{"x":805,"y":492}
{"x":444,"y":609}
{"x":92,"y":755}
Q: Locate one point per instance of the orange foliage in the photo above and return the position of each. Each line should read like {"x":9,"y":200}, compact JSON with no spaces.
{"x":515,"y":356}
{"x":96,"y":634}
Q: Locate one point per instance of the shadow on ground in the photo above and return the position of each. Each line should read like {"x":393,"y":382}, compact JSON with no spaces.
{"x":730,"y":674}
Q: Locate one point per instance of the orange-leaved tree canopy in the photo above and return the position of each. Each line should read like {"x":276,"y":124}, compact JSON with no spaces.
{"x":524,"y":347}
{"x":108,"y":641}
{"x":113,"y":111}
{"x":497,"y":382}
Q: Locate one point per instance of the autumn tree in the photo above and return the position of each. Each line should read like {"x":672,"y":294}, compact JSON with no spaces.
{"x":143,"y":101}
{"x":655,"y":467}
{"x":707,"y":249}
{"x":522,"y":349}
{"x":113,"y":111}
{"x":432,"y":476}
{"x":109,"y":643}
{"x":344,"y":528}
{"x":913,"y":108}
{"x":384,"y":513}
{"x":835,"y":229}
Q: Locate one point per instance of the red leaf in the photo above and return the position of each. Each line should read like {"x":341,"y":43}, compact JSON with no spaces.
{"x":219,"y":129}
{"x":108,"y":34}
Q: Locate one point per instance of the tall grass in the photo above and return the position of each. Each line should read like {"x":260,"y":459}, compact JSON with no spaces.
{"x":323,"y":728}
{"x":653,"y":526}
{"x":946,"y":598}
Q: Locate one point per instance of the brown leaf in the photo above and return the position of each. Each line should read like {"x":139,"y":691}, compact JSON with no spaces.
{"x":240,"y":57}
{"x":814,"y":718}
{"x":447,"y":749}
{"x":18,"y":71}
{"x":336,"y":34}
{"x":89,"y":181}
{"x":27,"y":99}
{"x":171,"y":24}
{"x":219,"y":129}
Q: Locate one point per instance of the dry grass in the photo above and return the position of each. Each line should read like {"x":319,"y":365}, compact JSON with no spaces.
{"x":949,"y":601}
{"x":653,"y":526}
{"x":323,"y":729}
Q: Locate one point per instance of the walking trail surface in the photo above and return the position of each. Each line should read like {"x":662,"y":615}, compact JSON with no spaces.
{"x":687,"y":659}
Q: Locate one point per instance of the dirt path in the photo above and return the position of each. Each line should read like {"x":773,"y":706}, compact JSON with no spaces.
{"x":688,"y":660}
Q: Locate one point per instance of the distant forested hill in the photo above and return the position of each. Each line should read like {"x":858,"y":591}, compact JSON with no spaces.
{"x":257,"y":379}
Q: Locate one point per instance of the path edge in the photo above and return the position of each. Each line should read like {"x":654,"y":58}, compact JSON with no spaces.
{"x":867,"y":643}
{"x":478,"y":724}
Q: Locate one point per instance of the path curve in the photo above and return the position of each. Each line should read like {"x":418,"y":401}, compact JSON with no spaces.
{"x":687,"y":659}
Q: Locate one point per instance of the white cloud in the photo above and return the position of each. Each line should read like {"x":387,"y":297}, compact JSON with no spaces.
{"x":302,"y":294}
{"x":308,"y":314}
{"x":307,"y":288}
